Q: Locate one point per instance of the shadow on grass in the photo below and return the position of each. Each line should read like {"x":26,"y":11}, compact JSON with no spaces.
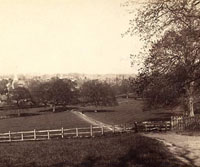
{"x":185,"y":155}
{"x":148,"y":155}
{"x":89,"y":161}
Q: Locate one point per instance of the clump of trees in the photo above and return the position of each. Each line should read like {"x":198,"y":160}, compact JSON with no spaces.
{"x":171,"y":66}
{"x":58,"y":92}
{"x":55,"y":92}
{"x":98,"y":93}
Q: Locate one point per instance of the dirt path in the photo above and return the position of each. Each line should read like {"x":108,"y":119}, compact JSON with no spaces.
{"x":185,"y":148}
{"x":93,"y":121}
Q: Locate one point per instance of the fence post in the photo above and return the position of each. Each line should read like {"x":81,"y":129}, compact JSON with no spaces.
{"x":183,"y":123}
{"x":34,"y":134}
{"x":76,"y":132}
{"x":22,"y":136}
{"x":165,"y":126}
{"x":62,"y":132}
{"x":9,"y":135}
{"x":125,"y":127}
{"x":48,"y":135}
{"x":102,"y":130}
{"x":136,"y":127}
{"x":171,"y":122}
{"x":91,"y":130}
{"x":113,"y":128}
{"x":146,"y":129}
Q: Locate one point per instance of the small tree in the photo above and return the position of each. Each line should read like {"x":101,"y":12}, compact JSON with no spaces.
{"x":60,"y":92}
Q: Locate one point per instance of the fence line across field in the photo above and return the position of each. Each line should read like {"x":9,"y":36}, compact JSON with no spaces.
{"x":58,"y":133}
{"x":185,"y":123}
{"x":92,"y":131}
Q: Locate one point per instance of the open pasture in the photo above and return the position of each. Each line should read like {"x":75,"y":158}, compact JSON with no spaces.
{"x":128,"y":111}
{"x":44,"y":121}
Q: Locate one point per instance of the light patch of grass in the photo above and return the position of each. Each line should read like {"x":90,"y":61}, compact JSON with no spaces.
{"x":128,"y":111}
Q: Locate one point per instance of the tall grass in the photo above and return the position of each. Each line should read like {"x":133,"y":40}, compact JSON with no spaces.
{"x":125,"y":150}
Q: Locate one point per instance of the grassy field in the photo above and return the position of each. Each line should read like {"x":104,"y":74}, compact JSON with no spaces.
{"x":125,"y":150}
{"x":48,"y":120}
{"x":128,"y":110}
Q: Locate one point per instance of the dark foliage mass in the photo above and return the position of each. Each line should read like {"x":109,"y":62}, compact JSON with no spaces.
{"x":171,"y":65}
{"x":56,"y":92}
{"x":98,"y":93}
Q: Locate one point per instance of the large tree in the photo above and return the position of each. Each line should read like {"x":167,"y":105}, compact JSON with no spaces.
{"x":38,"y":90}
{"x":57,"y":92}
{"x":20,"y":95}
{"x":171,"y":29}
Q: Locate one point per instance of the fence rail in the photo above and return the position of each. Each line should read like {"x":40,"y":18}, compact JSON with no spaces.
{"x":181,"y":123}
{"x":176,"y":123}
{"x":150,"y":126}
{"x":60,"y":133}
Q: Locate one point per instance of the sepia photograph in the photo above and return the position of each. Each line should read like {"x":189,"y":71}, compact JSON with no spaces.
{"x":99,"y":83}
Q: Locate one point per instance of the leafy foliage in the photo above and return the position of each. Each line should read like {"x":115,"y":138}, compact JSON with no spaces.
{"x":98,"y":93}
{"x":3,"y":86}
{"x":21,"y":95}
{"x":174,"y":55}
{"x":56,"y":91}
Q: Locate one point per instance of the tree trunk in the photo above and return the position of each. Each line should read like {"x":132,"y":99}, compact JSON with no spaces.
{"x":191,"y":106}
{"x":18,"y":109}
{"x":190,"y":98}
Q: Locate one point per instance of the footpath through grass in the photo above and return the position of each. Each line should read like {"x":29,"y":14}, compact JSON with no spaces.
{"x":125,"y":150}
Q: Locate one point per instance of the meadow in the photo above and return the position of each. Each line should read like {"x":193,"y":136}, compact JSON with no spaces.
{"x":123,"y":150}
{"x":110,"y":150}
{"x":41,"y":119}
{"x":127,"y":111}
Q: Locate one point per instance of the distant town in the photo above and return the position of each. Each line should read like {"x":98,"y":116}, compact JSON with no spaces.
{"x":23,"y":79}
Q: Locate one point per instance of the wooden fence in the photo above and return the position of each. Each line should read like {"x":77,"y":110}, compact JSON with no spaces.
{"x":62,"y":133}
{"x":185,"y":123}
{"x":176,"y":123}
{"x":150,"y":126}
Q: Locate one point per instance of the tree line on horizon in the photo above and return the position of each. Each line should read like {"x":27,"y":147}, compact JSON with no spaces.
{"x":62,"y":92}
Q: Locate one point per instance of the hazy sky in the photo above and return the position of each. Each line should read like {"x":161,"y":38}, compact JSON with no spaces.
{"x":63,"y":36}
